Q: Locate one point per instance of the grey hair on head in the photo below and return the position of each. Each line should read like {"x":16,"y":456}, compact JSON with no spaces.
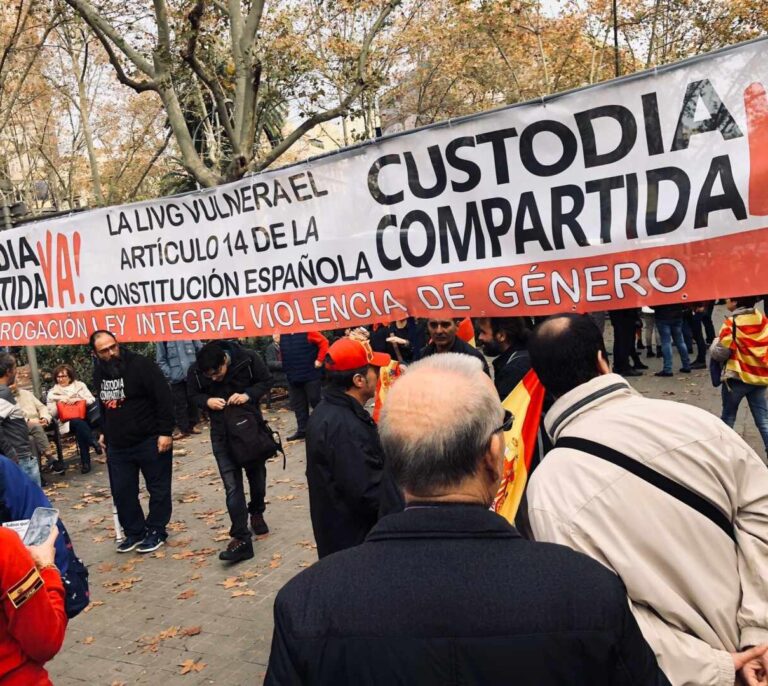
{"x":438,"y":421}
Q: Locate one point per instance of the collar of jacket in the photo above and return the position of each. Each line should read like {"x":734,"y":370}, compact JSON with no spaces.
{"x":335,"y":396}
{"x":442,"y":520}
{"x":588,"y":396}
{"x":507,"y":356}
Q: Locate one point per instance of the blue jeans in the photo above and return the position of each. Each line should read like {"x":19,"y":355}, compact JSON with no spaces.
{"x":734,"y":391}
{"x":31,"y":468}
{"x":669,"y":330}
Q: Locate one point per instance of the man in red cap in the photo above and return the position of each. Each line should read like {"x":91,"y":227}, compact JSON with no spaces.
{"x":348,"y":487}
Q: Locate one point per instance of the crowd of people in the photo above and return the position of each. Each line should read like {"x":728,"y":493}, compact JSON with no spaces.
{"x":642,"y":541}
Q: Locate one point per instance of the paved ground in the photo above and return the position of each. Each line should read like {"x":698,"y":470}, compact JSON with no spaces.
{"x":180,"y":610}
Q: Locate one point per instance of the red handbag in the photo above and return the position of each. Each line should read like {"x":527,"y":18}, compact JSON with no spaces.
{"x":76,"y":410}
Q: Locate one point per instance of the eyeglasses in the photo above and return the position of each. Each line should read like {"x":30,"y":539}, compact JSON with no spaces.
{"x":62,"y":376}
{"x":509,"y":419}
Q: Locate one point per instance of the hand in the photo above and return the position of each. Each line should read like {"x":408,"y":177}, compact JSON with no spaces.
{"x":164,"y":444}
{"x":33,"y":422}
{"x":751,"y":665}
{"x":397,"y":339}
{"x":216,"y":403}
{"x":45,"y":421}
{"x":103,"y":443}
{"x":318,"y":364}
{"x":45,"y":553}
{"x":68,"y":401}
{"x":359,"y":334}
{"x":238,"y":399}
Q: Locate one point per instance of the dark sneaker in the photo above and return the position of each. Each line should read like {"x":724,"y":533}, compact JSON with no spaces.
{"x":640,"y":365}
{"x":298,"y":436}
{"x":58,"y":467}
{"x":130,"y":543}
{"x":699,"y":365}
{"x":237,"y":551}
{"x":685,"y":370}
{"x":151,"y":542}
{"x":258,"y":525}
{"x":663,"y":373}
{"x":85,"y":468}
{"x":649,"y":352}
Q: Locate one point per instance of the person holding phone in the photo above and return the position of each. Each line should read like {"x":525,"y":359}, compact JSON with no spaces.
{"x":32,"y":616}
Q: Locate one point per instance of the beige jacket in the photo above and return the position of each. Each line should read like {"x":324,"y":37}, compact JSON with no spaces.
{"x":77,"y":390}
{"x":31,"y":406}
{"x":695,"y":594}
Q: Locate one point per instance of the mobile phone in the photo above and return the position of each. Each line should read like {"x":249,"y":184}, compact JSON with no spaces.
{"x":40,"y":524}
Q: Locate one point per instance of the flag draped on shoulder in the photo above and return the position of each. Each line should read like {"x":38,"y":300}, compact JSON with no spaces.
{"x":525,"y":402}
{"x":749,"y":346}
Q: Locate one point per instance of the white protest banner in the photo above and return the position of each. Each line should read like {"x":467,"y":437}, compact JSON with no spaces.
{"x":648,"y":189}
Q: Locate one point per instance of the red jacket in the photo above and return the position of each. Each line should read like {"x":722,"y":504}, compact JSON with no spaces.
{"x":32,"y":620}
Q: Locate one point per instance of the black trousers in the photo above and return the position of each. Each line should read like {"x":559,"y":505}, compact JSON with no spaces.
{"x":125,"y":464}
{"x":623,"y":338}
{"x":184,"y":411}
{"x":302,"y":396}
{"x":234,"y":491}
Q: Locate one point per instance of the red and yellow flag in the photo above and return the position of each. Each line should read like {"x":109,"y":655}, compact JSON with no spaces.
{"x":466,"y":331}
{"x":387,"y":376}
{"x":525,"y":402}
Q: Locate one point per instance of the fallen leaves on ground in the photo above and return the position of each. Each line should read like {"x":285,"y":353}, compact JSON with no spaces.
{"x":231,"y":582}
{"x":191,"y":631}
{"x":178,"y":542}
{"x":191,"y":666}
{"x":106,"y":567}
{"x":276,"y":561}
{"x":120,"y":585}
{"x":240,"y":593}
{"x":88,"y":640}
{"x":93,"y":604}
{"x":287,"y":497}
{"x":186,"y":595}
{"x":189,"y":497}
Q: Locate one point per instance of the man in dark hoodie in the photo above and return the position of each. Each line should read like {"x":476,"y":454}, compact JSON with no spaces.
{"x":137,"y":423}
{"x":227,"y":374}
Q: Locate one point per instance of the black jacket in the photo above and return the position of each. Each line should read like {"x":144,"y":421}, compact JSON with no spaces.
{"x":458,"y":346}
{"x":136,"y":404}
{"x":348,"y":485}
{"x":452,"y":595}
{"x":247,"y":373}
{"x":413,"y":332}
{"x":509,"y":368}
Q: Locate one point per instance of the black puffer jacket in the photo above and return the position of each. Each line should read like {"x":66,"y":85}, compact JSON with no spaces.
{"x":247,"y":373}
{"x":450,"y":595}
{"x":348,"y":484}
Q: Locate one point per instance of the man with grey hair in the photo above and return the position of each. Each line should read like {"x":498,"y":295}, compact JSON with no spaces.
{"x":447,"y":591}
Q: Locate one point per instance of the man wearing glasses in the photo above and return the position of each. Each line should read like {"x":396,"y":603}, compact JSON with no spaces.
{"x":137,"y":422}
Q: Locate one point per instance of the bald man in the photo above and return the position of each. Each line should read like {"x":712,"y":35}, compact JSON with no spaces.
{"x":665,"y":495}
{"x":447,"y":591}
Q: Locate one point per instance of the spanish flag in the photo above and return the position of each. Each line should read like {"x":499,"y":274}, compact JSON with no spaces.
{"x":525,"y":402}
{"x":387,"y":376}
{"x":466,"y":331}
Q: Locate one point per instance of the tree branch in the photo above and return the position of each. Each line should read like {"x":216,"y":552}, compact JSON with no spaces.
{"x":151,"y":164}
{"x":100,"y":25}
{"x":114,"y":60}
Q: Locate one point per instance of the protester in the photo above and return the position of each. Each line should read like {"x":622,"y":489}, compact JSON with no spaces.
{"x":741,"y":346}
{"x":303,"y":355}
{"x":624,"y":324}
{"x":692,"y":332}
{"x":443,"y":339}
{"x":38,"y":418}
{"x":669,"y":322}
{"x":447,"y":591}
{"x":402,"y":339}
{"x":345,"y":466}
{"x":225,"y":376}
{"x":33,"y":620}
{"x":14,"y":434}
{"x":137,"y":421}
{"x":19,"y":497}
{"x":650,"y":335}
{"x":69,"y":391}
{"x":174,"y":359}
{"x":506,"y":340}
{"x":663,"y":494}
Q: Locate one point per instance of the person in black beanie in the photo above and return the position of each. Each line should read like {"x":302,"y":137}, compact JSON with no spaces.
{"x":137,"y":423}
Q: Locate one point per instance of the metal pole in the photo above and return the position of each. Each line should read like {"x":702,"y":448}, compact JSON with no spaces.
{"x":616,"y":65}
{"x":34,"y":370}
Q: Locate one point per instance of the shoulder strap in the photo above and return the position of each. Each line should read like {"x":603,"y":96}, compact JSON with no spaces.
{"x":670,"y":487}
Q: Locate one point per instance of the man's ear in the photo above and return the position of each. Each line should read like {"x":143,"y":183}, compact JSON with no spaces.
{"x":493,"y":460}
{"x":602,"y":364}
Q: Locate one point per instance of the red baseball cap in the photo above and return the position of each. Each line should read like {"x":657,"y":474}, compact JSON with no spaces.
{"x":347,"y":354}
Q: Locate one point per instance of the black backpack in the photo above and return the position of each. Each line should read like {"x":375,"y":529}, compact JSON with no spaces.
{"x":249,"y":438}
